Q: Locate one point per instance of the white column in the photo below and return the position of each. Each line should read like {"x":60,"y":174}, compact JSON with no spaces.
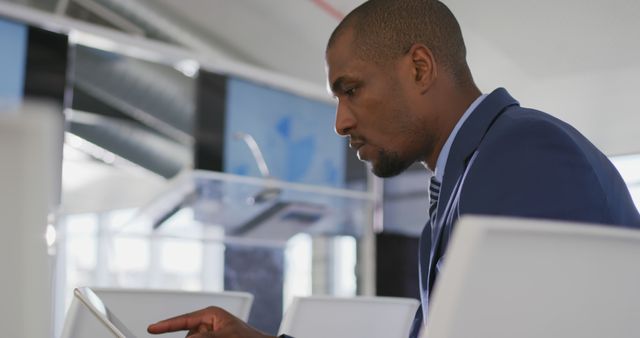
{"x":30,"y":160}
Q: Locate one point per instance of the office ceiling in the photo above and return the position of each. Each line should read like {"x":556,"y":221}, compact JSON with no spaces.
{"x":539,"y":38}
{"x":576,"y":59}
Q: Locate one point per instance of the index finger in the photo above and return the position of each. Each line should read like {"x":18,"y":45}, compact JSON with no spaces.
{"x":181,"y":323}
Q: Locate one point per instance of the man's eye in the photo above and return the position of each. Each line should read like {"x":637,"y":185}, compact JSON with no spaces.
{"x":350,"y":91}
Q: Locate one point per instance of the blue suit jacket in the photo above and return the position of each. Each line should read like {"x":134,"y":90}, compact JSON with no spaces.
{"x":513,"y":161}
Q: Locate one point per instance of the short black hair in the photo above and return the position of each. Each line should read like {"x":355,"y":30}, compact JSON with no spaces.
{"x":386,"y":29}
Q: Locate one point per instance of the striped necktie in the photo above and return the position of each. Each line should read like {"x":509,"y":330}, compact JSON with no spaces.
{"x":434,"y":193}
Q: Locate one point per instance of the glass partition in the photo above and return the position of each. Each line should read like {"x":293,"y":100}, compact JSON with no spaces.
{"x":213,"y":231}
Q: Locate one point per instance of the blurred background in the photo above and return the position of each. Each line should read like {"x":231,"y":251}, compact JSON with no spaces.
{"x":189,"y":145}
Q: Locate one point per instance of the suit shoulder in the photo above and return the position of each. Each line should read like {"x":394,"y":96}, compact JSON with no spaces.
{"x":525,"y":155}
{"x":530,"y":128}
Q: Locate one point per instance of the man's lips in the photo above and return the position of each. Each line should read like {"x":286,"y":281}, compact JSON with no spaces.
{"x":355,"y":145}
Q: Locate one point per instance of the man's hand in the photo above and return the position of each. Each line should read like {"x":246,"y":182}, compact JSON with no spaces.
{"x":210,"y":322}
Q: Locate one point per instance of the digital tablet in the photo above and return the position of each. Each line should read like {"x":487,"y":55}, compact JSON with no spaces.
{"x":89,"y":317}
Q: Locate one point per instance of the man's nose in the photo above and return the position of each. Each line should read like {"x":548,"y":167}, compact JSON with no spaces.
{"x":345,"y":121}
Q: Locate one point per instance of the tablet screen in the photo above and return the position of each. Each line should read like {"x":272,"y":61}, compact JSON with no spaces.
{"x":95,"y":304}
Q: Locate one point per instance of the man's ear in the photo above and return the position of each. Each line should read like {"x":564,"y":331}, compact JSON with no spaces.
{"x":425,"y":70}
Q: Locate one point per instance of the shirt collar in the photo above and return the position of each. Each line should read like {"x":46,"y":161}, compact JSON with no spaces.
{"x":444,"y":153}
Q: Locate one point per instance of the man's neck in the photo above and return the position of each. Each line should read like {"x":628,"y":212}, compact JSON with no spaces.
{"x":457,"y":104}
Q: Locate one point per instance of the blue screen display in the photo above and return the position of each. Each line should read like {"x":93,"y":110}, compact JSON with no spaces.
{"x":13,"y":43}
{"x":294,"y":133}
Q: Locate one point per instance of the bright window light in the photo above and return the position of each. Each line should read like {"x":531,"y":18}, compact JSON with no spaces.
{"x":297,"y":279}
{"x":629,"y":168}
{"x":181,"y":256}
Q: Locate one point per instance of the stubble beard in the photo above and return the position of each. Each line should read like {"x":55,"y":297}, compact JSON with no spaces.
{"x":391,"y":164}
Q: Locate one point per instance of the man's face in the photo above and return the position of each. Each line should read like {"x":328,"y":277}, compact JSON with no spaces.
{"x":377,"y":109}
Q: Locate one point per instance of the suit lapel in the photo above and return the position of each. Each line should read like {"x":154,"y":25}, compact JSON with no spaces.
{"x":464,"y":145}
{"x":467,"y":141}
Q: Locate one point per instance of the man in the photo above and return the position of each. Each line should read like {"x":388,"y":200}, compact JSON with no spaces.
{"x":405,"y":94}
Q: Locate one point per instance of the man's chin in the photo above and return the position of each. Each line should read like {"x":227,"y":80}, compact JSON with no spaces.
{"x":386,"y":164}
{"x":387,"y":171}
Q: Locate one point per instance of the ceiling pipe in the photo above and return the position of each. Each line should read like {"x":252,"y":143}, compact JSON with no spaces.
{"x":129,"y":141}
{"x":162,"y":27}
{"x":157,"y":98}
{"x":106,"y":14}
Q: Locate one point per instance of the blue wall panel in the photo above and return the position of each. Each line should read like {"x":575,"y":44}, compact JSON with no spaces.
{"x":13,"y":47}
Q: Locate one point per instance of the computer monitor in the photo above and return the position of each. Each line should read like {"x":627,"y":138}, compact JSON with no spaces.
{"x":506,"y":277}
